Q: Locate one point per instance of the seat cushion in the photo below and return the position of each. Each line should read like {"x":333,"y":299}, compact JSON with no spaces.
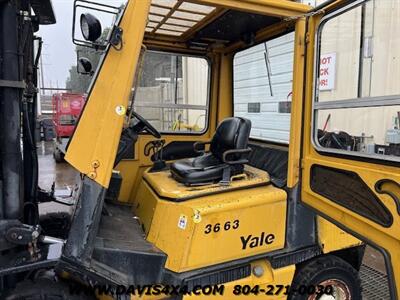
{"x":198,"y":170}
{"x":201,"y":170}
{"x":231,"y":134}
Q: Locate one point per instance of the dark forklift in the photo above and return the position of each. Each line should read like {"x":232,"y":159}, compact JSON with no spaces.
{"x":23,"y":246}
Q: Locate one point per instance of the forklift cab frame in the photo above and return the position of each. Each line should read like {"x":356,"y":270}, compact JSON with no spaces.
{"x":94,"y":146}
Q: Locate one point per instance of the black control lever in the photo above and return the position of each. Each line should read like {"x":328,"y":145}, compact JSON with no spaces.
{"x":156,"y":149}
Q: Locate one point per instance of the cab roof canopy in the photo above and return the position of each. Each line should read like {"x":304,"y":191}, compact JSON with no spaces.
{"x":199,"y":24}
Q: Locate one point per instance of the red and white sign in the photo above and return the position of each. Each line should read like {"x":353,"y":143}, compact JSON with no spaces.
{"x":327,"y":72}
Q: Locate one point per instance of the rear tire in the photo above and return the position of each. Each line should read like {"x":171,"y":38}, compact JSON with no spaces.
{"x":331,"y":272}
{"x":45,"y":289}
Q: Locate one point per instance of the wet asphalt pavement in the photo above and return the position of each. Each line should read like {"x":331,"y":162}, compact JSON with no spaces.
{"x":49,"y":172}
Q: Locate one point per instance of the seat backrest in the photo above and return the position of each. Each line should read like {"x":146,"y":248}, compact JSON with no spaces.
{"x":232,"y":133}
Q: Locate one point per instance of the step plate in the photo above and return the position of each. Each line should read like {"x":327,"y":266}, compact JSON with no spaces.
{"x":121,"y":245}
{"x":374,"y":283}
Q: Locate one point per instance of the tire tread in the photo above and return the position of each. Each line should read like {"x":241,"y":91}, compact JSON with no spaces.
{"x":309,"y":271}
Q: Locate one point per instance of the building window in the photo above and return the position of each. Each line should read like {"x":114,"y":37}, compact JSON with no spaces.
{"x":254,"y":107}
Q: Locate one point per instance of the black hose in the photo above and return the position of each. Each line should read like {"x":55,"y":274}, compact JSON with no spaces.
{"x":31,"y":211}
{"x":31,"y":214}
{"x":39,"y":53}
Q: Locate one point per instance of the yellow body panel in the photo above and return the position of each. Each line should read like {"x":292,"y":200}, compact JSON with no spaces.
{"x":145,"y":205}
{"x":297,"y":105}
{"x":225,"y":103}
{"x":332,"y":238}
{"x":104,"y":297}
{"x":166,"y":187}
{"x":281,"y":8}
{"x":179,"y":228}
{"x":93,"y":148}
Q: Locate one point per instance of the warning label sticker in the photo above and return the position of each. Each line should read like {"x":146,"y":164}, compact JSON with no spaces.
{"x":182,"y":222}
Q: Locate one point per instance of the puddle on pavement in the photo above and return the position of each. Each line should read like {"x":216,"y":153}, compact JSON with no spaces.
{"x":49,"y":171}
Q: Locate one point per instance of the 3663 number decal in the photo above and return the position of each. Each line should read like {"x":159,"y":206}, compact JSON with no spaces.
{"x":217,"y":227}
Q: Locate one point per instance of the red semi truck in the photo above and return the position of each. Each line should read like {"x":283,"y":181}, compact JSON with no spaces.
{"x":67,"y":108}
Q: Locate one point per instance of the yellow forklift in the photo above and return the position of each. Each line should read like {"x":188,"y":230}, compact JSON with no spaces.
{"x":228,"y":211}
{"x":218,"y":207}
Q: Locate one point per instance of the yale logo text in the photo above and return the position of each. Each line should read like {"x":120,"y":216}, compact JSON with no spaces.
{"x":257,"y":241}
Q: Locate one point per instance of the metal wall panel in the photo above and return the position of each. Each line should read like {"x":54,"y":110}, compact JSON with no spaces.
{"x":251,"y":84}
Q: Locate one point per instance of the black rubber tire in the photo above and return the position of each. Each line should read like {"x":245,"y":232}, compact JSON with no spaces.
{"x":44,"y":289}
{"x":324,"y":268}
{"x":56,"y":224}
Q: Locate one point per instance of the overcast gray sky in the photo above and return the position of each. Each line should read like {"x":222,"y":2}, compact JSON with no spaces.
{"x":58,"y":50}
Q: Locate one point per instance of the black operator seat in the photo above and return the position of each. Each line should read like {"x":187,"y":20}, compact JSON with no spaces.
{"x":227,"y":156}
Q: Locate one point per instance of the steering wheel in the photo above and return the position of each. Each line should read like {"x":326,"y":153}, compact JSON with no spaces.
{"x":143,"y":124}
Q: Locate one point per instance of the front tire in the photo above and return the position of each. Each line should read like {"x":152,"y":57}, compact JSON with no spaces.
{"x":326,"y":273}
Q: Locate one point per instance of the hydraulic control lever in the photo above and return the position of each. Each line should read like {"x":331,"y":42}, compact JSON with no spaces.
{"x":156,"y":149}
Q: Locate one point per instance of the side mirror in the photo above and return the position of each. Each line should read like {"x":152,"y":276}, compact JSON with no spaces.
{"x":90,"y":27}
{"x":85,"y":65}
{"x":93,"y":33}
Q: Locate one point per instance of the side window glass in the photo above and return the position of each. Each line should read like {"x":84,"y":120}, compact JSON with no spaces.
{"x":172,"y":92}
{"x":357,"y":94}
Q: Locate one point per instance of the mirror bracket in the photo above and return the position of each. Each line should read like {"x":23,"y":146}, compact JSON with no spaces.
{"x":116,"y":38}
